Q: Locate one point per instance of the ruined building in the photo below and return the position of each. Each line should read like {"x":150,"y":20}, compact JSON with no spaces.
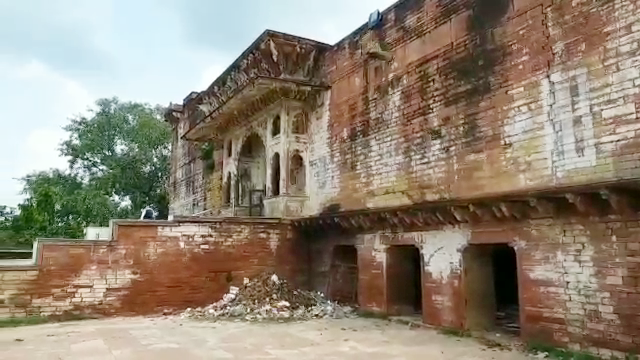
{"x":476,"y":162}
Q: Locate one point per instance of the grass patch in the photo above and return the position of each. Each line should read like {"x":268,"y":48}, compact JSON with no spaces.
{"x":454,"y":332}
{"x":566,"y":354}
{"x":38,"y":319}
{"x":372,"y":314}
{"x":23,"y":321}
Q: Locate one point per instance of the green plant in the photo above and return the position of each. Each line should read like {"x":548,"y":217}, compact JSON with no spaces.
{"x":435,"y":134}
{"x":206,"y":155}
{"x":23,"y":321}
{"x":384,"y":46}
{"x":40,"y":319}
{"x":372,"y":314}
{"x":560,"y":353}
{"x":454,"y":332}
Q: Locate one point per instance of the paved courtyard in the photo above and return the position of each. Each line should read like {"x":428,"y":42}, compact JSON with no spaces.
{"x":173,"y":338}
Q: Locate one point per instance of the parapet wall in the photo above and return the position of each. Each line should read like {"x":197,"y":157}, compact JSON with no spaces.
{"x":147,"y":268}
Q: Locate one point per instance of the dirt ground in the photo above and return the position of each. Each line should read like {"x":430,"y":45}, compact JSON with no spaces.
{"x":174,"y":338}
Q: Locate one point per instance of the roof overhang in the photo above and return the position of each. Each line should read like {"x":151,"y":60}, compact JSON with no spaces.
{"x":274,"y":65}
{"x":253,"y":98}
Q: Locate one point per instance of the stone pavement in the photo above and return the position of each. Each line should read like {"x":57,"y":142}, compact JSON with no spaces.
{"x":173,"y":338}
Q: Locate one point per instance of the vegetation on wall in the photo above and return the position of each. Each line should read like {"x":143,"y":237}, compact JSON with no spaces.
{"x":206,"y":155}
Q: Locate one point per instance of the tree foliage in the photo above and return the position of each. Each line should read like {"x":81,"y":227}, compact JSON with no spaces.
{"x":118,"y":163}
{"x":59,"y":204}
{"x":123,"y":147}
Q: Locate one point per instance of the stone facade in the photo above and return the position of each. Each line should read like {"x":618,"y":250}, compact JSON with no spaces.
{"x":476,"y":98}
{"x":469,"y":130}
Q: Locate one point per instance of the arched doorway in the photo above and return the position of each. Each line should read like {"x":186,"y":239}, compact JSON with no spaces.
{"x":252,"y":173}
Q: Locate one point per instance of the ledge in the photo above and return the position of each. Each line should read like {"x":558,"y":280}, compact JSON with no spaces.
{"x":233,"y":219}
{"x":595,"y":200}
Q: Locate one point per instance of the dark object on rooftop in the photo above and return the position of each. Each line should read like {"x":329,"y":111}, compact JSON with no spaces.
{"x":148,"y":214}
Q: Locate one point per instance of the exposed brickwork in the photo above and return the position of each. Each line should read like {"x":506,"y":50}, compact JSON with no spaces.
{"x":148,"y":268}
{"x":187,"y":183}
{"x":466,"y":100}
{"x":581,"y":283}
{"x":578,"y":278}
{"x":479,"y":97}
{"x":548,"y":98}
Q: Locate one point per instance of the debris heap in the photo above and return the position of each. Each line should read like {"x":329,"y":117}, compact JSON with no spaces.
{"x":268,"y":297}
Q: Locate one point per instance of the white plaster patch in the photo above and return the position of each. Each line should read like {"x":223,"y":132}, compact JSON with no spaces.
{"x":572,"y":120}
{"x":323,"y":180}
{"x":441,"y":251}
{"x":386,"y":158}
{"x":379,"y":250}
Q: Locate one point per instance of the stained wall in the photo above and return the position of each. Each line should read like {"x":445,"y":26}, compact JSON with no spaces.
{"x":480,"y":98}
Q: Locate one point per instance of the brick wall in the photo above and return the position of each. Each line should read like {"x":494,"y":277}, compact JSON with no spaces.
{"x":580,"y":282}
{"x":151,"y":266}
{"x":187,"y":183}
{"x":500,"y":96}
{"x":578,"y":278}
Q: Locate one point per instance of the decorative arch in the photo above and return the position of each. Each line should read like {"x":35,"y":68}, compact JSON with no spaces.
{"x":275,"y":174}
{"x":299,"y":123}
{"x":226,"y":195}
{"x":251,"y":167}
{"x":297,"y":174}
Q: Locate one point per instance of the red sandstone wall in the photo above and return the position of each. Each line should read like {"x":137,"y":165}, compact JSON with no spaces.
{"x":579,"y":279}
{"x":500,"y":96}
{"x":150,"y":267}
{"x":580,"y":283}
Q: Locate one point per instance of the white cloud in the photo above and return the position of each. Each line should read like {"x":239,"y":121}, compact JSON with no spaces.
{"x":38,"y":102}
{"x":69,"y":97}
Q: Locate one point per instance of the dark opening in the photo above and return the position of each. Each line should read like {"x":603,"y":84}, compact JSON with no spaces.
{"x":404,"y":280}
{"x":491,"y":283}
{"x":275,"y":175}
{"x":275,"y":126}
{"x":505,"y":281}
{"x":297,"y":174}
{"x":343,"y":275}
{"x":226,"y":198}
{"x":229,"y":148}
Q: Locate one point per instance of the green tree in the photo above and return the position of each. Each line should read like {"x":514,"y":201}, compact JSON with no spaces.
{"x":60,"y":204}
{"x":118,"y":164}
{"x":123,"y":149}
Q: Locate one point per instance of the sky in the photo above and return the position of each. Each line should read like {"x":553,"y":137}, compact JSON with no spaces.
{"x":58,"y":57}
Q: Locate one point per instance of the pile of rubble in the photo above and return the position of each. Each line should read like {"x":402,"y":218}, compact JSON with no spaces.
{"x":269,"y":298}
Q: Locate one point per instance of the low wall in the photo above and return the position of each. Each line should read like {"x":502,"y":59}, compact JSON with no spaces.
{"x":147,"y":268}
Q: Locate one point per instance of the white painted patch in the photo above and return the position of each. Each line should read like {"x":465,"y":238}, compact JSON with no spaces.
{"x":385,"y":158}
{"x":442,"y":251}
{"x":572,"y":120}
{"x":379,"y":250}
{"x":323,"y":178}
